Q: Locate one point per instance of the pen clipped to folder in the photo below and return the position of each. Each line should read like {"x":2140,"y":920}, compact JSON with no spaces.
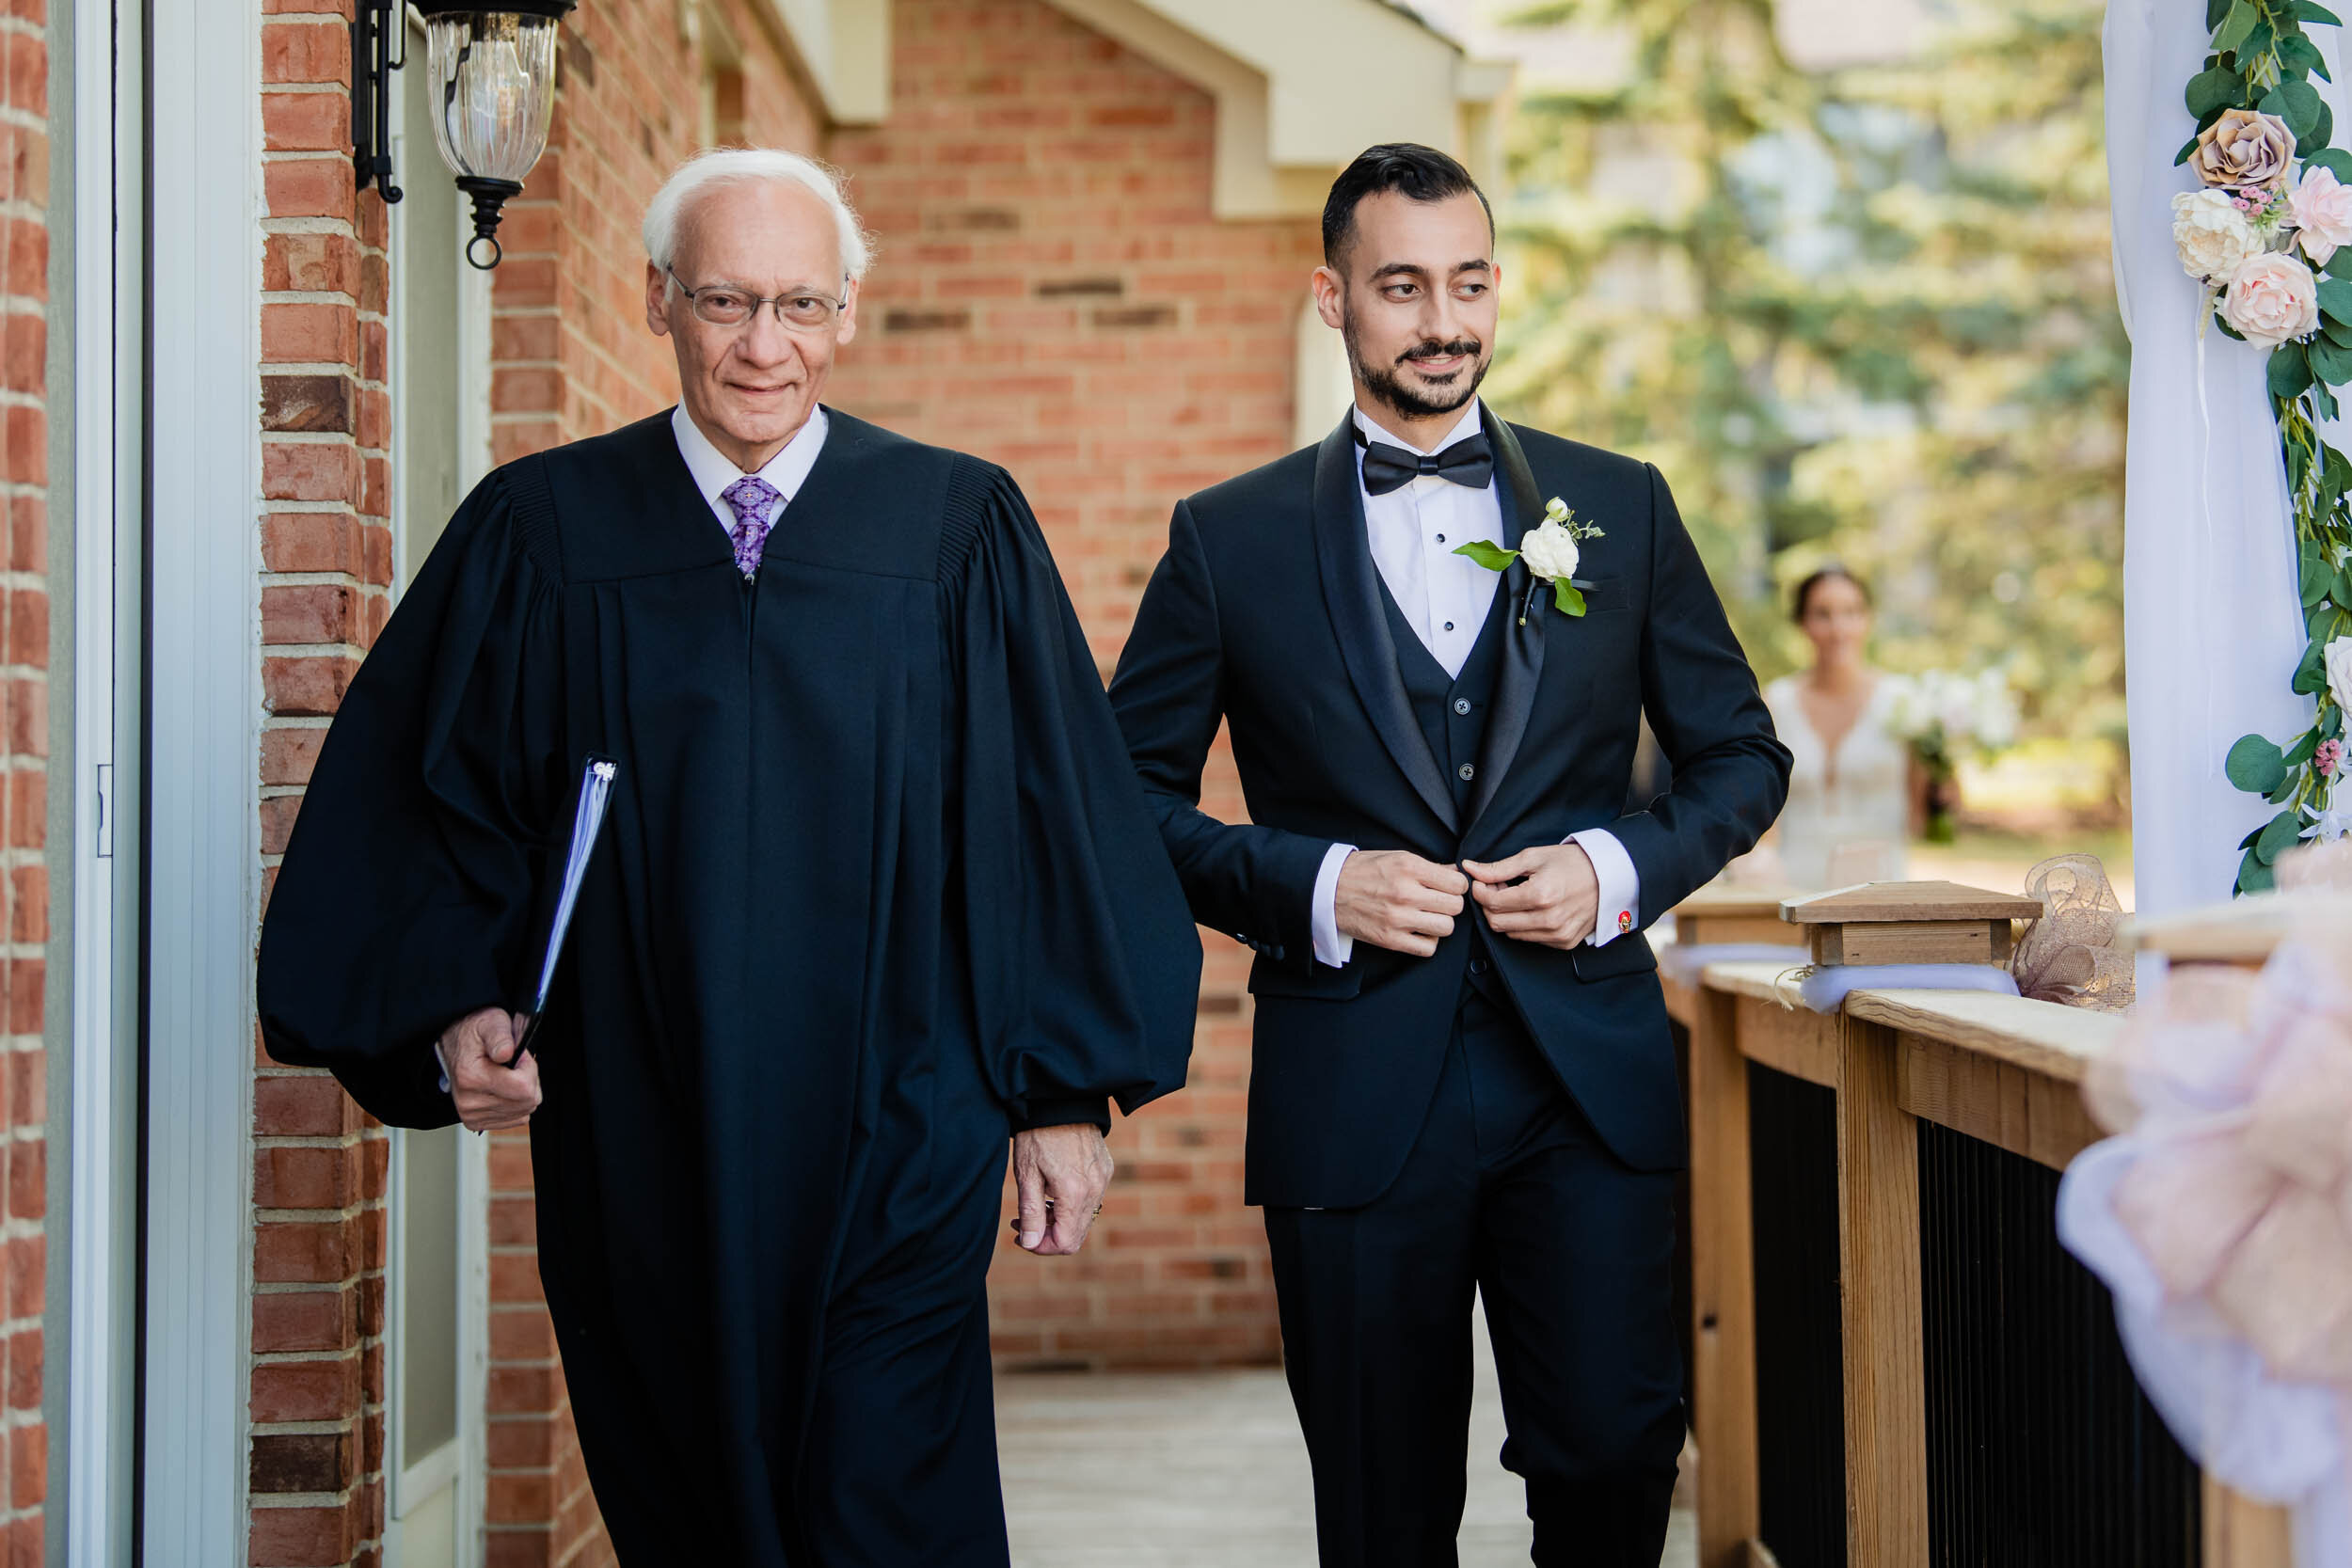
{"x":595,"y":794}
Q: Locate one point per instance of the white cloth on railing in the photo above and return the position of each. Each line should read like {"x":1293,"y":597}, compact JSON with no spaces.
{"x":1682,"y":964}
{"x":1825,"y":989}
{"x":2221,"y":1216}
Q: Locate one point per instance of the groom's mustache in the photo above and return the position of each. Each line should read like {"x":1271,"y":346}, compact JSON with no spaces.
{"x":1434,"y":350}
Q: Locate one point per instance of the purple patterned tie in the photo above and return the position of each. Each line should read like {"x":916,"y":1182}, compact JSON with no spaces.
{"x":752,"y":501}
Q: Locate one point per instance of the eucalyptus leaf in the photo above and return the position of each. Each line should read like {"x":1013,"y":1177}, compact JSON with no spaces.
{"x":2280,"y":835}
{"x":2187,"y":147}
{"x":2331,"y":724}
{"x":2333,"y":159}
{"x":2330,"y":362}
{"x":2305,"y":748}
{"x":2311,"y":674}
{"x":2254,"y":876}
{"x":2255,"y":766}
{"x":2214,"y":12}
{"x":1493,"y":557}
{"x":2210,"y":90}
{"x":2317,"y":585}
{"x":2238,"y":27}
{"x":2221,"y":323}
{"x":2289,"y":371}
{"x":2257,"y":45}
{"x":2297,"y":51}
{"x":2323,"y":400}
{"x":2323,"y":128}
{"x":2304,"y":11}
{"x":2247,"y":841}
{"x":2299,"y":104}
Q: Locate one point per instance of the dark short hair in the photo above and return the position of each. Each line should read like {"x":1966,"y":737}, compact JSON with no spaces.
{"x":1804,"y":595}
{"x":1413,"y":171}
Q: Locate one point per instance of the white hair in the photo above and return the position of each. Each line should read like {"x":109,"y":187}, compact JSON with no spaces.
{"x":730,"y":165}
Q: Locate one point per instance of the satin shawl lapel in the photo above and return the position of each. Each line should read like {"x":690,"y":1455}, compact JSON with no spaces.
{"x":1523,"y":648}
{"x":1351,"y":590}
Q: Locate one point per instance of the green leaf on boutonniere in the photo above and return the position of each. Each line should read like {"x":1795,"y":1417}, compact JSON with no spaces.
{"x":2289,"y":372}
{"x":1569,"y":599}
{"x":2306,"y":12}
{"x":2255,"y":765}
{"x":1493,"y":557}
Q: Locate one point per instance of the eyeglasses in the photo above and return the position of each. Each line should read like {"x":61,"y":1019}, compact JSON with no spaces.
{"x":723,"y":305}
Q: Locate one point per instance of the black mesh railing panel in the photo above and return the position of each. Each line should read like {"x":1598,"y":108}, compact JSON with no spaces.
{"x":1800,"y":1399}
{"x":2041,"y":1450}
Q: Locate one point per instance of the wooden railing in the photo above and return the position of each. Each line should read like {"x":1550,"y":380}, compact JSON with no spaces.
{"x":1991,"y":1422}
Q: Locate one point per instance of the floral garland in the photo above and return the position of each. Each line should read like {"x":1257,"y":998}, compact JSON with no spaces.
{"x":2258,"y":236}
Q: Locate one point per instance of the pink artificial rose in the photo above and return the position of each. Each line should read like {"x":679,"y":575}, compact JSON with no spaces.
{"x":2321,"y":207}
{"x":2272,"y":297}
{"x":2328,"y":758}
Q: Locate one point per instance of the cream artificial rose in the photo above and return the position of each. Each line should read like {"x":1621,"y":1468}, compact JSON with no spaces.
{"x":2272,"y":297}
{"x":1551,"y":551}
{"x":2212,"y":234}
{"x":2339,"y":664}
{"x":2244,"y":150}
{"x":2321,"y":207}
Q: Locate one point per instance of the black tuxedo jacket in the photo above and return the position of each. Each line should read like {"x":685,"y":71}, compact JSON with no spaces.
{"x":1266,"y":614}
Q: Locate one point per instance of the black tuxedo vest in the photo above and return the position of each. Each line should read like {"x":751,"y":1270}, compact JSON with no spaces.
{"x":1453,"y":711}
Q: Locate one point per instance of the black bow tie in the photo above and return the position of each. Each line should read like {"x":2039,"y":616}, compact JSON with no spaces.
{"x":1470,"y":462}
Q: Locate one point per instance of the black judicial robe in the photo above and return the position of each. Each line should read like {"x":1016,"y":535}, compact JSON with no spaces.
{"x":877,"y":887}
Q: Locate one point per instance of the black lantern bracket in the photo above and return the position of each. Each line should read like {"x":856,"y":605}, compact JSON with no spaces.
{"x":374,"y":25}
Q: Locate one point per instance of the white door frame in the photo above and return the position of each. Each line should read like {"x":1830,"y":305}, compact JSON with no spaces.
{"x":466,"y":1459}
{"x":100,"y":1351}
{"x":204,"y":706}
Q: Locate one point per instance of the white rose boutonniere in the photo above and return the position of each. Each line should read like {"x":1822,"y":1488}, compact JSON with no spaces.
{"x":1551,"y":555}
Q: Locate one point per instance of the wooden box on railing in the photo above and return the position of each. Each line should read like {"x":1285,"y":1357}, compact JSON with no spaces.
{"x":1714,"y":916}
{"x":1909,"y":922}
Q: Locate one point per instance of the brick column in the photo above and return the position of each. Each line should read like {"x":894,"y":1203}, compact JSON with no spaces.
{"x":23,"y":764}
{"x":316,"y":1464}
{"x":1056,"y":293}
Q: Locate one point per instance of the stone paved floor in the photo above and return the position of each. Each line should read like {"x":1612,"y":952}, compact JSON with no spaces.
{"x":1206,"y":1470}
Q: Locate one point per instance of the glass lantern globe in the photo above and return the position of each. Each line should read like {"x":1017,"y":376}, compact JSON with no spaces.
{"x":492,"y":68}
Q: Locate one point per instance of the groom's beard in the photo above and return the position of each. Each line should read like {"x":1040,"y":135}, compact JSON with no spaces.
{"x":1387,"y":384}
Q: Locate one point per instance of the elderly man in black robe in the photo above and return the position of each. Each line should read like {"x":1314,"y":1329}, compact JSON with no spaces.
{"x":876,"y":891}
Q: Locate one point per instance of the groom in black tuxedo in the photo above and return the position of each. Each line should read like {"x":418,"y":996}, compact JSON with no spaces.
{"x":1463,"y":1080}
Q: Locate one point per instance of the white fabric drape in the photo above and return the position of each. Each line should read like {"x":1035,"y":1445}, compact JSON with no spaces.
{"x":2213,"y":623}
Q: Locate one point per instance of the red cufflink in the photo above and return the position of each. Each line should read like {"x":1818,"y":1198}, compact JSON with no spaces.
{"x":1625,"y":920}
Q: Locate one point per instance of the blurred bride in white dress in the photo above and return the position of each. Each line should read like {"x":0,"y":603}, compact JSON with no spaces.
{"x":1855,"y":797}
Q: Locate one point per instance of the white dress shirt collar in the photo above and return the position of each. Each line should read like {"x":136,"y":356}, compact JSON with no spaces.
{"x":713,"y":472}
{"x":1374,"y":431}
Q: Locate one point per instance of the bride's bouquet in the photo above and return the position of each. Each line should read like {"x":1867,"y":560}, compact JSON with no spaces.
{"x":1943,"y":717}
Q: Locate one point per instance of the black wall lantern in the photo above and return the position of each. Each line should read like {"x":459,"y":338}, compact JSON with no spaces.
{"x":492,"y":65}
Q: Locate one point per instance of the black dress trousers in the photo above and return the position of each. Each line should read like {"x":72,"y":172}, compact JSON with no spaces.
{"x":1508,"y":1193}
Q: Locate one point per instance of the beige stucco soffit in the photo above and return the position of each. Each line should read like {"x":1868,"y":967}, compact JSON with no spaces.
{"x":845,"y":47}
{"x":1303,"y":86}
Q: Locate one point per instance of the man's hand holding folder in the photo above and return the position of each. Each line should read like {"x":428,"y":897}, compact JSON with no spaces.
{"x":491,"y":1087}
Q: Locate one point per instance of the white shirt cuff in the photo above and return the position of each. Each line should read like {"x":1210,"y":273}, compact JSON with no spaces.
{"x":1331,"y":947}
{"x":1620,"y":906}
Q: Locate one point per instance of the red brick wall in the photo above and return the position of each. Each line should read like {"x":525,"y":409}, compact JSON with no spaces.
{"x":1054,"y":292}
{"x":23,"y":765}
{"x":316,"y":1462}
